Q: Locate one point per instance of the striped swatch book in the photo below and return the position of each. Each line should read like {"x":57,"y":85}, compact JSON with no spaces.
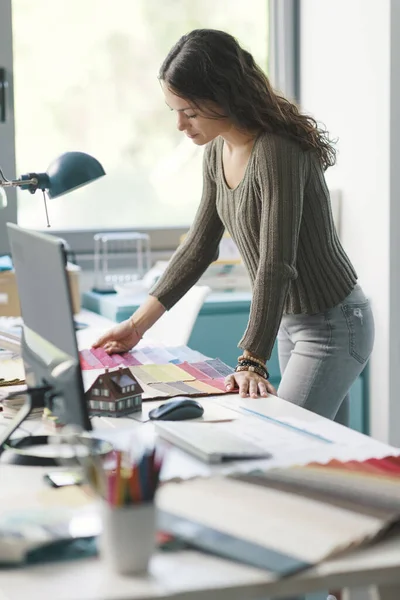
{"x":285,"y":520}
{"x":373,"y":483}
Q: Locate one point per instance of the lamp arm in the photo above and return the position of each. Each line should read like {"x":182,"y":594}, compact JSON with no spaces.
{"x":17,"y":182}
{"x":3,"y":178}
{"x":31,"y":182}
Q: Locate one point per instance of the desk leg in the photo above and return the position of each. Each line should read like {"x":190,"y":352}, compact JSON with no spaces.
{"x":386,"y":592}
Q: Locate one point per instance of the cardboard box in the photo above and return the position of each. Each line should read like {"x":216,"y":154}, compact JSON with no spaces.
{"x":9,"y":300}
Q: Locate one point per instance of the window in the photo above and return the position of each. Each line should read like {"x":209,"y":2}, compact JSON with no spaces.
{"x":96,"y":392}
{"x":106,"y":393}
{"x":107,"y":405}
{"x":121,"y":404}
{"x":87,"y":80}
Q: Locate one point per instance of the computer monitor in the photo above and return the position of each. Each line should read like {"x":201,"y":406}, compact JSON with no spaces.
{"x":48,"y":346}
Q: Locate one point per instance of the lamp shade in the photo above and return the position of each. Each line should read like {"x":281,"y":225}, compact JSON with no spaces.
{"x":71,"y":171}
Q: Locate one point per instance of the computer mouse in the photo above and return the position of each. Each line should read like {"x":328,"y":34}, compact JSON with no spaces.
{"x":179,"y":409}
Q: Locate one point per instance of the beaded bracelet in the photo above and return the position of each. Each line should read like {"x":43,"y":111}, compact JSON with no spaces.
{"x":251,"y":370}
{"x":257,"y":370}
{"x":253,"y":358}
{"x":251,"y":363}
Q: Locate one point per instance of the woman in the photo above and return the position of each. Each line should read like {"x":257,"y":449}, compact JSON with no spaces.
{"x":264,"y":182}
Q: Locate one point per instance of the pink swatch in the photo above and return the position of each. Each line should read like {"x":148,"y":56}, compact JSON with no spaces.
{"x":105,"y":359}
{"x":90,"y":359}
{"x":129,"y":359}
{"x":193,"y":371}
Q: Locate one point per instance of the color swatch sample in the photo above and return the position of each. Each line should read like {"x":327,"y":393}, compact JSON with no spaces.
{"x":369,"y":484}
{"x":164,"y":372}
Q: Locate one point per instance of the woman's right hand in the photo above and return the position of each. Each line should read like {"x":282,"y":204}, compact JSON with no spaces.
{"x":121,"y":338}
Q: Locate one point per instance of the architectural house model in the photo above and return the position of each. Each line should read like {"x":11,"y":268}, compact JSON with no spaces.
{"x":114,"y":394}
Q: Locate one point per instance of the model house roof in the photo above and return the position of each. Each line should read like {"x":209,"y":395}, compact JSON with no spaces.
{"x":120,"y":383}
{"x":123,"y":380}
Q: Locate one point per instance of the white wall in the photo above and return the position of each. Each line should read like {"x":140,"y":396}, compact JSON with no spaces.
{"x":346,"y":52}
{"x":394,"y":351}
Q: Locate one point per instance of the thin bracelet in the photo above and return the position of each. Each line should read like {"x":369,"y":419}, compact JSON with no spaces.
{"x":135,"y":329}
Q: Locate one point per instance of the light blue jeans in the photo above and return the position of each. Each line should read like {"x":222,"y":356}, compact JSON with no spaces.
{"x":320,"y":356}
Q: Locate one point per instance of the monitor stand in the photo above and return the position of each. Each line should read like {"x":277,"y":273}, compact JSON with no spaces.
{"x":21,"y":450}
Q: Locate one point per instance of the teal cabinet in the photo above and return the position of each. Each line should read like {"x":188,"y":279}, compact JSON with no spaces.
{"x":219,"y":327}
{"x":217,"y":331}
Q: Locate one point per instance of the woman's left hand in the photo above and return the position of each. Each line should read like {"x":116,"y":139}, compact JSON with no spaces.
{"x":249,"y":384}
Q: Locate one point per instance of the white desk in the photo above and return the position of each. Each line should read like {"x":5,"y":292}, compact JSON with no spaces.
{"x":192,"y":575}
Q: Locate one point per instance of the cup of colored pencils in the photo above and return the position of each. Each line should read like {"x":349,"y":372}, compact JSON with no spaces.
{"x":128,"y":536}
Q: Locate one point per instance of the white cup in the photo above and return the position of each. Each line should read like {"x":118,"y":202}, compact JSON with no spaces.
{"x":128,"y":537}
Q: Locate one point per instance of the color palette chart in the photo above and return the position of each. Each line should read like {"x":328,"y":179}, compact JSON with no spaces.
{"x":388,"y":466}
{"x":163,"y":371}
{"x":373,"y":483}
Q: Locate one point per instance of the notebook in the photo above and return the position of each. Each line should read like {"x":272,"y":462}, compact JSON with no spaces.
{"x":209,"y":442}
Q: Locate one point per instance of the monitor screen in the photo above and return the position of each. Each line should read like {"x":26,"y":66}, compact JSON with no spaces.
{"x":48,"y":346}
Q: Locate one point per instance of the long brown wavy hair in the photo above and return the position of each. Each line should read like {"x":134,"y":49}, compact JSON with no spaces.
{"x":210,"y":65}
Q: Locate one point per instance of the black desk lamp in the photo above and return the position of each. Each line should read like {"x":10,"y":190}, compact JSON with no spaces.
{"x":65,"y":174}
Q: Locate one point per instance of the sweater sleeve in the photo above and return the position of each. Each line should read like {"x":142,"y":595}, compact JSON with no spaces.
{"x":281,"y":175}
{"x":200,"y":247}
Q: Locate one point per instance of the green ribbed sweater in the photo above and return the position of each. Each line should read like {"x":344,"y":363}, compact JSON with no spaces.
{"x":281,"y":221}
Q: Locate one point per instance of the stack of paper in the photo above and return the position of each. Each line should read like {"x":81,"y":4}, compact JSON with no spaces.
{"x":10,"y":333}
{"x":11,"y":365}
{"x":11,"y":370}
{"x":12,"y":405}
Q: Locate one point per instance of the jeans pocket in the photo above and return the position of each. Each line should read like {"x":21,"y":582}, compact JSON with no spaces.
{"x":360,"y":323}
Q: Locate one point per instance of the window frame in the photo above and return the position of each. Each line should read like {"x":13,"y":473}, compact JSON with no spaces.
{"x":283,"y":57}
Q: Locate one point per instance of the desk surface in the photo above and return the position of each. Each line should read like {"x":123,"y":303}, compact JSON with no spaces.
{"x":191,"y":575}
{"x":196,"y":576}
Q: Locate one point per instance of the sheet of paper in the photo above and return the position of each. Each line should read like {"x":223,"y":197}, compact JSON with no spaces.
{"x":212,"y":411}
{"x":269,"y":436}
{"x":340,"y":434}
{"x":11,"y":369}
